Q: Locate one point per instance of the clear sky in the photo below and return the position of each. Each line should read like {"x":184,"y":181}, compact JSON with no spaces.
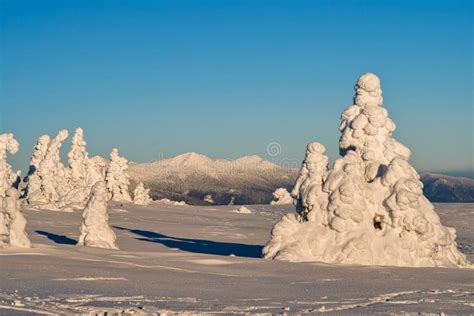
{"x":225,"y":78}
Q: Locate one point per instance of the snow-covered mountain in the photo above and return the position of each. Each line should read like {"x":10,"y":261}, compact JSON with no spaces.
{"x":192,"y":176}
{"x":442,"y":188}
{"x":252,"y":180}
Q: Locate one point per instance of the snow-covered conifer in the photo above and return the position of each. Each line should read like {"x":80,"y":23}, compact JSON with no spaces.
{"x":117,"y":179}
{"x":53,"y":174}
{"x":95,"y":230}
{"x":281,"y":196}
{"x":141,"y":195}
{"x":369,"y":208}
{"x":12,"y":222}
{"x":32,"y":191}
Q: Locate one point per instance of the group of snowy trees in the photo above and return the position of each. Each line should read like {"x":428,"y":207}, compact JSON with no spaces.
{"x":50,"y":184}
{"x":87,"y":183}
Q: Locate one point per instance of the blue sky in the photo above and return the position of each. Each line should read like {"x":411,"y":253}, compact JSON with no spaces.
{"x":225,"y":78}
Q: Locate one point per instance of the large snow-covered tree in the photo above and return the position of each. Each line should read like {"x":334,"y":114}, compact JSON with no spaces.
{"x":369,"y":208}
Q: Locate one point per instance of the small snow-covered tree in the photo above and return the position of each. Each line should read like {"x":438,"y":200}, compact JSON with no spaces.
{"x":95,"y":229}
{"x":18,"y":236}
{"x":117,"y":179}
{"x":12,"y":222}
{"x":141,"y":195}
{"x":281,"y":196}
{"x":33,"y":192}
{"x":78,"y":159}
{"x":369,"y":208}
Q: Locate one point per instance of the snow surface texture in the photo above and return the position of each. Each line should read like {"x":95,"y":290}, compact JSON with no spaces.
{"x":141,"y":196}
{"x":369,"y":209}
{"x":95,"y":230}
{"x":12,"y":221}
{"x":206,"y":260}
{"x":116,"y":178}
{"x":281,"y":196}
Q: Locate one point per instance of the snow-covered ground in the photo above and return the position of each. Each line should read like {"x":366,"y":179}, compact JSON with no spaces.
{"x":207,"y":259}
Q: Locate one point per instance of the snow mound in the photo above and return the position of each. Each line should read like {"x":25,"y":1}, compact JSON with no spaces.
{"x":170,"y":202}
{"x":244,"y":210}
{"x":281,"y":196}
{"x":208,"y":198}
{"x":369,"y":208}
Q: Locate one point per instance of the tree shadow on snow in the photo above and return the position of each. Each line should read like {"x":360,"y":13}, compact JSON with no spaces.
{"x":199,"y":245}
{"x":59,"y":239}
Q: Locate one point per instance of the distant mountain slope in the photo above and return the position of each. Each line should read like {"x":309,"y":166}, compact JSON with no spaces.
{"x":191,"y":176}
{"x":442,"y":188}
{"x":251,"y":180}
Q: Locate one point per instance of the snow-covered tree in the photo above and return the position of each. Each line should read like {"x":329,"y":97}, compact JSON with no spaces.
{"x":82,"y":170}
{"x":54,"y":176}
{"x":79,"y":159}
{"x":95,"y":229}
{"x":12,"y":222}
{"x":369,"y":208}
{"x":18,"y":235}
{"x":281,"y":196}
{"x":117,"y":179}
{"x":141,"y":195}
{"x":32,"y":191}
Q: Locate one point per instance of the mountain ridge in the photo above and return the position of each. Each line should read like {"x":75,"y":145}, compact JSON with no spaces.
{"x":251,"y":180}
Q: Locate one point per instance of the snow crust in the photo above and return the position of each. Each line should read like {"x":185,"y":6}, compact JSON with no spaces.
{"x":12,"y":221}
{"x":281,"y":196}
{"x":95,"y":230}
{"x":369,"y":208}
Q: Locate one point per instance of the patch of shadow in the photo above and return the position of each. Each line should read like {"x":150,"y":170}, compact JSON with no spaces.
{"x":466,"y":247}
{"x":199,"y":245}
{"x":59,"y":239}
